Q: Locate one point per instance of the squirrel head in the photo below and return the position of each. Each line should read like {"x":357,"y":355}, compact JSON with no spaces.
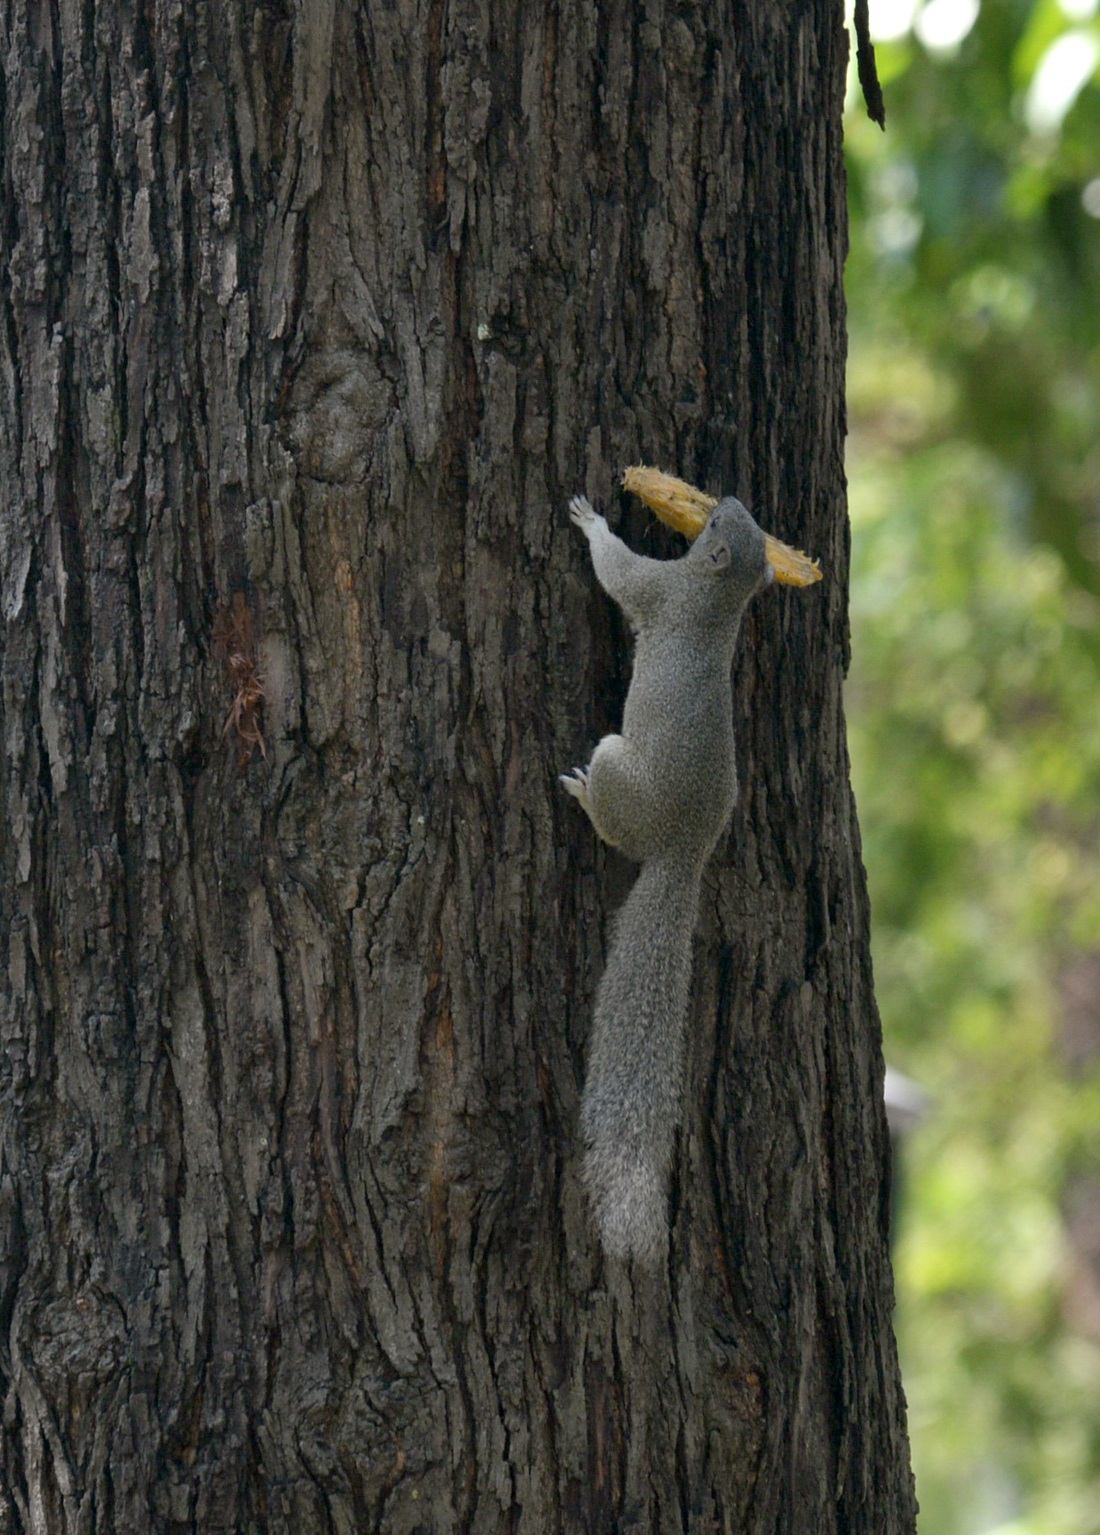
{"x":733,"y":549}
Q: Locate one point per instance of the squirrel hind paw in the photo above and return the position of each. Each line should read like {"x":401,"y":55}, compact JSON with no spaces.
{"x":576,"y":783}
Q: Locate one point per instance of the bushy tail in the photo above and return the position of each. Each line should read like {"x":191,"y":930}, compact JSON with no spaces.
{"x":634,"y":1083}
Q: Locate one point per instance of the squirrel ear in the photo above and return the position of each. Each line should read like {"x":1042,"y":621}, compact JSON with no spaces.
{"x":720,"y":556}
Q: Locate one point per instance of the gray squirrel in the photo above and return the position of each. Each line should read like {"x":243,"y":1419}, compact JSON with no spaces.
{"x":661,"y":792}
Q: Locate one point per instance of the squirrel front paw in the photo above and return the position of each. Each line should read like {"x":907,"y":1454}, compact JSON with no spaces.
{"x":583,"y":514}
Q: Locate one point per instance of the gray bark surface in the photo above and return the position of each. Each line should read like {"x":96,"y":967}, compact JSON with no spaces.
{"x":311,"y":319}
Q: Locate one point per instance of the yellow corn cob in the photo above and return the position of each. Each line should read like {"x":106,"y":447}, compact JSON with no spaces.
{"x":687,"y":509}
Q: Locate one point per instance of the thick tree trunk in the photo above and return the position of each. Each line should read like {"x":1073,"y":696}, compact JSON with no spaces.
{"x":313,"y":317}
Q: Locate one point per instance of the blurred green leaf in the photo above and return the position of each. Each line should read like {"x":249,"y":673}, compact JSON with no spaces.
{"x":974,"y":703}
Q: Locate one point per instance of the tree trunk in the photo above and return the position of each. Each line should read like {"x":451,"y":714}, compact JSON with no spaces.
{"x":313,"y":318}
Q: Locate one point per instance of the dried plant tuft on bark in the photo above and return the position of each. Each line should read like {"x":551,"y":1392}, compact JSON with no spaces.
{"x":235,"y":641}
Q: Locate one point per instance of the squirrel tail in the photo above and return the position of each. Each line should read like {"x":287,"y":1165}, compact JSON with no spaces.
{"x":634,"y":1081}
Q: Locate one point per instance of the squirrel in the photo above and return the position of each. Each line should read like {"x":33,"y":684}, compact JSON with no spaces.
{"x":661,"y":792}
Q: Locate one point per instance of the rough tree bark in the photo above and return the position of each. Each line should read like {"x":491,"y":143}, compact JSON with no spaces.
{"x":313,"y":316}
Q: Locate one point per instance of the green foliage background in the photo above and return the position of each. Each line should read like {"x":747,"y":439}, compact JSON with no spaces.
{"x":974,"y":701}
